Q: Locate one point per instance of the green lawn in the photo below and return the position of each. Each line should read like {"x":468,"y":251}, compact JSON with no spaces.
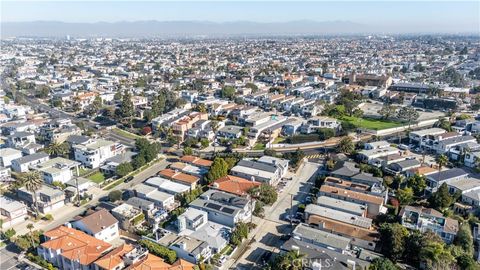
{"x":259,"y":146}
{"x":97,"y":177}
{"x":125,"y":134}
{"x":279,"y":140}
{"x":368,"y":123}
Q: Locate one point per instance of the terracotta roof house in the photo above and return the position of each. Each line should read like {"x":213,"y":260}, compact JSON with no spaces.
{"x":234,"y":185}
{"x":180,"y":177}
{"x":100,"y":224}
{"x":69,"y":248}
{"x":153,"y":262}
{"x":197,"y":161}
{"x":114,"y":259}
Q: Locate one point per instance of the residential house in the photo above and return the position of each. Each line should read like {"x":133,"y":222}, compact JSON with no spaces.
{"x":230,"y":132}
{"x":375,"y":204}
{"x":127,"y":215}
{"x":180,"y":177}
{"x":111,"y":164}
{"x":372,"y":156}
{"x":71,"y":249}
{"x":316,"y":123}
{"x":189,"y":169}
{"x":114,"y":260}
{"x":320,"y":238}
{"x":48,"y":198}
{"x":194,"y":223}
{"x":146,"y":206}
{"x":161,"y":199}
{"x":257,"y":171}
{"x":7,"y":155}
{"x":94,"y":153}
{"x":187,"y":248}
{"x":224,"y":208}
{"x":167,"y":186}
{"x":424,"y":136}
{"x":234,"y":185}
{"x":100,"y":224}
{"x":58,"y":169}
{"x":20,"y":139}
{"x":12,"y":211}
{"x":153,"y":262}
{"x":200,"y":162}
{"x":24,"y":163}
{"x":435,"y":180}
{"x":428,"y":219}
{"x":344,"y":206}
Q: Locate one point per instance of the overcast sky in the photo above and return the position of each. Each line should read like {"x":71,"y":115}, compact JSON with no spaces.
{"x":454,"y":15}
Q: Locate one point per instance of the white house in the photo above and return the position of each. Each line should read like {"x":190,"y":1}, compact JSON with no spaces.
{"x":23,"y":164}
{"x":101,"y":224}
{"x":7,"y":155}
{"x":93,"y":153}
{"x":57,"y":170}
{"x":11,"y":211}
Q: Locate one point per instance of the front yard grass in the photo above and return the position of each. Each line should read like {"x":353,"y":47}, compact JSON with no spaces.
{"x":259,"y":146}
{"x":125,"y":134}
{"x":97,"y":177}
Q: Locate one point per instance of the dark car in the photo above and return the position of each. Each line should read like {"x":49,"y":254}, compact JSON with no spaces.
{"x":130,"y":178}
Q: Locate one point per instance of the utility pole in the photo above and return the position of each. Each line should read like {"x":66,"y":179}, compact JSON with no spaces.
{"x":291,"y":210}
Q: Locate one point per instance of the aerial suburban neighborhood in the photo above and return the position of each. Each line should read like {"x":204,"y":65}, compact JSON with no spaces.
{"x":294,"y":152}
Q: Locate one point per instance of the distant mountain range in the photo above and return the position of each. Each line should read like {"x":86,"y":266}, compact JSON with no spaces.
{"x":140,"y":29}
{"x":177,"y":28}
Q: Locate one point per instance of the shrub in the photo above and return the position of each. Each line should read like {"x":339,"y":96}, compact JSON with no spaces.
{"x":48,"y":217}
{"x":165,"y":253}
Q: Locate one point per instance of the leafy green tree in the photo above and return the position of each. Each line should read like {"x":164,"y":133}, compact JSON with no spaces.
{"x":387,"y":111}
{"x":8,"y":234}
{"x":392,"y":237}
{"x":436,"y":255}
{"x":127,"y":109}
{"x":265,"y":193}
{"x":442,"y":160}
{"x":441,"y":199}
{"x":239,"y":233}
{"x":187,"y":151}
{"x":115,"y":195}
{"x":218,"y":169}
{"x":138,"y":161}
{"x":382,"y":264}
{"x":252,"y":86}
{"x":231,"y":161}
{"x":33,"y":182}
{"x":418,"y":183}
{"x":346,"y":145}
{"x":124,"y":169}
{"x":466,"y":262}
{"x":408,"y":114}
{"x":405,"y":196}
{"x":464,"y":238}
{"x":291,"y":260}
{"x":228,"y":92}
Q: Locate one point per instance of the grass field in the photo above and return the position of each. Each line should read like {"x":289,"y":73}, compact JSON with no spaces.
{"x":368,"y":123}
{"x":125,"y":134}
{"x":97,"y":177}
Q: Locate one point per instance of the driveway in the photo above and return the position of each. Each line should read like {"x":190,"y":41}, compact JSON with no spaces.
{"x":273,"y":226}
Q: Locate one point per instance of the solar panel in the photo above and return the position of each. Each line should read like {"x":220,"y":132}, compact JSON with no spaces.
{"x":228,"y":210}
{"x":214,"y":206}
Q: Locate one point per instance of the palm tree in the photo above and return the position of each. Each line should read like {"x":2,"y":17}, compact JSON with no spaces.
{"x":214,"y":124}
{"x":57,"y":149}
{"x":442,"y":160}
{"x":33,"y":182}
{"x":30,"y":227}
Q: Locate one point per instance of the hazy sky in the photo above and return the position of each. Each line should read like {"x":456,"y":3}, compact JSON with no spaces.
{"x":460,"y":15}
